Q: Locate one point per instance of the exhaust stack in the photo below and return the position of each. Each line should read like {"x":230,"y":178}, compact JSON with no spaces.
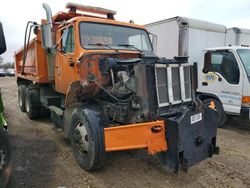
{"x":48,"y":14}
{"x":47,"y":43}
{"x":47,"y":29}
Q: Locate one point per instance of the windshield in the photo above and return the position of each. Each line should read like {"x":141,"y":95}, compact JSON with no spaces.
{"x":104,"y":36}
{"x":245,"y":58}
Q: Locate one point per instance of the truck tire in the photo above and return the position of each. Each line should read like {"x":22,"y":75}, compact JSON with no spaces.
{"x":44,"y":112}
{"x":5,"y":158}
{"x":32,"y":105}
{"x":87,"y":137}
{"x":21,"y":97}
{"x":222,"y":116}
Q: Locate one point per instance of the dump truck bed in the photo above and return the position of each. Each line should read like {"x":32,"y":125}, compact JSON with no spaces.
{"x":35,"y":68}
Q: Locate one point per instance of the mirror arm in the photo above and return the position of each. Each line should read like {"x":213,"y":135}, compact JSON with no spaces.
{"x":219,"y":78}
{"x":206,"y":71}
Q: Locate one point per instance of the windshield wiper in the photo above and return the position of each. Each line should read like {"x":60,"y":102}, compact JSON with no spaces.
{"x":100,"y":44}
{"x":130,"y":46}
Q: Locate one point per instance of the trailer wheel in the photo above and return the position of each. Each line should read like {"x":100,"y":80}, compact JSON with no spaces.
{"x":86,"y":136}
{"x":5,"y":158}
{"x":31,"y":105}
{"x":222,"y":116}
{"x":21,"y":97}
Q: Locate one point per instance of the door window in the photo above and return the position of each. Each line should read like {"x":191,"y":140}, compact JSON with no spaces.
{"x":68,"y":42}
{"x":224,"y":62}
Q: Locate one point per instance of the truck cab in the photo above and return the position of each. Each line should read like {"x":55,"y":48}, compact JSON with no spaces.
{"x":82,"y":36}
{"x":224,"y":75}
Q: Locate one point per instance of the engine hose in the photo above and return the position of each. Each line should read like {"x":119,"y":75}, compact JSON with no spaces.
{"x":26,"y":49}
{"x":26,"y":43}
{"x":112,"y":96}
{"x":112,"y":77}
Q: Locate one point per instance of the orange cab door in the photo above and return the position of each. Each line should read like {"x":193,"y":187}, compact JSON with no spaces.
{"x":65,"y":71}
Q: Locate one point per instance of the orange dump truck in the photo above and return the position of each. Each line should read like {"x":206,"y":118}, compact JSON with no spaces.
{"x":100,"y":82}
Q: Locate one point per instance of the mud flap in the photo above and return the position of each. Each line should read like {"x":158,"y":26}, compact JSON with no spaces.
{"x":191,"y":138}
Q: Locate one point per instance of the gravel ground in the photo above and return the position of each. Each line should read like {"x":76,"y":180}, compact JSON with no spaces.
{"x":43,"y":158}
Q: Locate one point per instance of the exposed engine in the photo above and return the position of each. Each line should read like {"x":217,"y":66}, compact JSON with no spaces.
{"x":138,"y":89}
{"x":119,"y":96}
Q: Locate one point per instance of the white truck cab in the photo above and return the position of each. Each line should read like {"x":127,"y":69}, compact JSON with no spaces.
{"x":224,"y":76}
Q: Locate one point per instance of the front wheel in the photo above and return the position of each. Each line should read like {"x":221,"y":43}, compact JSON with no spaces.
{"x":222,"y":116}
{"x":86,"y":136}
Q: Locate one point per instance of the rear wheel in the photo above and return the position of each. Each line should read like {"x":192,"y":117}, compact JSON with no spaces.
{"x":32,"y":104}
{"x":21,"y":97}
{"x":222,"y":116}
{"x":86,"y":136}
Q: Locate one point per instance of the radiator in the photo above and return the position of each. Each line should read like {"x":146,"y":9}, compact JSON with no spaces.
{"x":173,"y":84}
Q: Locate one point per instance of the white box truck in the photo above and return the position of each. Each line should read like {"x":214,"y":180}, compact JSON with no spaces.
{"x":238,"y":36}
{"x":223,"y":72}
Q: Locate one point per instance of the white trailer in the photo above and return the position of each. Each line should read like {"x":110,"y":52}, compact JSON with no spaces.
{"x":181,"y":36}
{"x":237,"y":36}
{"x":223,"y":72}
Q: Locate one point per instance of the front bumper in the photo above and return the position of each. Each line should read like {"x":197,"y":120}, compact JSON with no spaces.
{"x":190,"y":142}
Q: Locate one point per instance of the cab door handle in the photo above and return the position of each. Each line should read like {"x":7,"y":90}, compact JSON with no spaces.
{"x":71,"y":64}
{"x":204,"y":83}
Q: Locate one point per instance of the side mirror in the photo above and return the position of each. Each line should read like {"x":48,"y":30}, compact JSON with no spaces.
{"x":207,"y":63}
{"x":2,"y":40}
{"x":35,"y":30}
{"x":46,"y":36}
{"x":153,"y":39}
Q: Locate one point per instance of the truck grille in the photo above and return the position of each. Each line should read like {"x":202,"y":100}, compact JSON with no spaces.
{"x":162,"y":81}
{"x":173,"y":84}
{"x":187,"y":81}
{"x":176,"y":83}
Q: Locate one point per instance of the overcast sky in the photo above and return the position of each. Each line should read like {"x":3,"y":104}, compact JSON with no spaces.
{"x":16,"y":13}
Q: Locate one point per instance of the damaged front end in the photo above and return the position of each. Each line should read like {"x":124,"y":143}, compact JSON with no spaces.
{"x":149,"y":103}
{"x":191,"y":127}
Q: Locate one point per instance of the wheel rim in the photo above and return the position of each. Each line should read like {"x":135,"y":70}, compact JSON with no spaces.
{"x":81,"y":138}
